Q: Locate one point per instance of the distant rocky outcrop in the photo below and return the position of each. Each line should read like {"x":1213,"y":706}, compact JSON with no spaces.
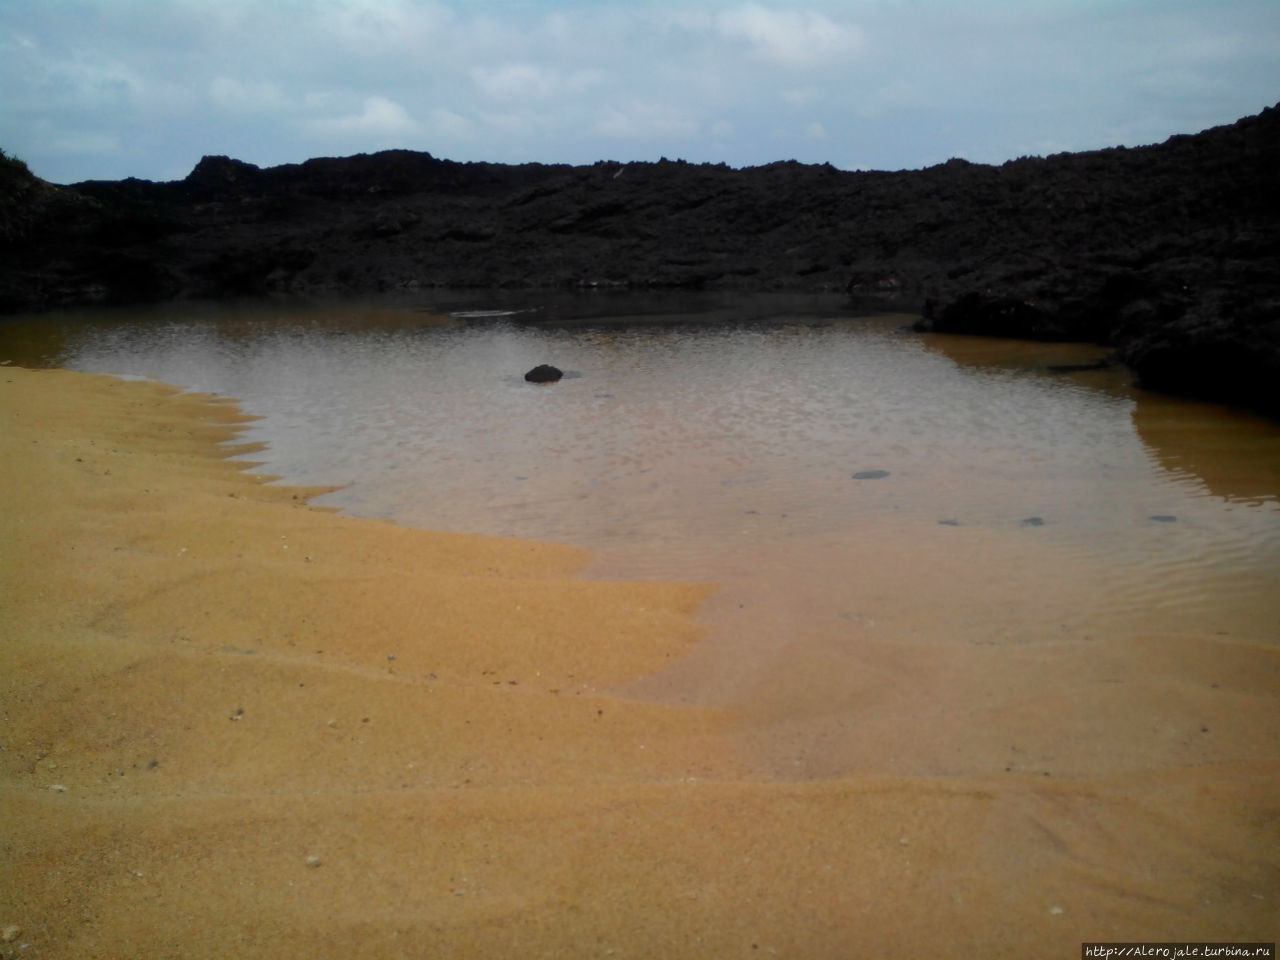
{"x":1170,"y":253}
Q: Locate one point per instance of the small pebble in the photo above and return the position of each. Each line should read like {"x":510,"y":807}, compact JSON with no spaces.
{"x":1056,"y":911}
{"x":10,"y":933}
{"x":57,"y":788}
{"x":313,"y":861}
{"x":1032,"y":522}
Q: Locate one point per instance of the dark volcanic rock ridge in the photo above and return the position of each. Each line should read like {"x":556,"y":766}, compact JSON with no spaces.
{"x":1169,"y":252}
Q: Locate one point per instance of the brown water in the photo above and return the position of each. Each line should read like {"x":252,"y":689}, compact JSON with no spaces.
{"x":934,"y":528}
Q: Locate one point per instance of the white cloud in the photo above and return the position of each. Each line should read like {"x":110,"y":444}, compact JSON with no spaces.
{"x":515,"y":123}
{"x":513,"y":81}
{"x":374,"y":26}
{"x":892,"y":82}
{"x":802,"y":96}
{"x":85,"y":144}
{"x":789,"y":37}
{"x":96,"y":82}
{"x":516,"y":82}
{"x":640,"y":121}
{"x":247,"y":98}
{"x":683,"y":17}
{"x":450,"y":124}
{"x":380,"y":120}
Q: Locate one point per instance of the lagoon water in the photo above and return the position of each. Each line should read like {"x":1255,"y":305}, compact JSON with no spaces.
{"x":847,"y":483}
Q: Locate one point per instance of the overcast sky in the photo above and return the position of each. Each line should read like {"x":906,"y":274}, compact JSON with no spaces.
{"x":106,"y":89}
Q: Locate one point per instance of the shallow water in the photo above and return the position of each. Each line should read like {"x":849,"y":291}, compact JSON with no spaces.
{"x":840,"y":477}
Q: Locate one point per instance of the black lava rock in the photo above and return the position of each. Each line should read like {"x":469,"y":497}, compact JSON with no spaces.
{"x":544,"y":373}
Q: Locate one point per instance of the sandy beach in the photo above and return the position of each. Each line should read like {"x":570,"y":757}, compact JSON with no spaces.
{"x":238,"y":725}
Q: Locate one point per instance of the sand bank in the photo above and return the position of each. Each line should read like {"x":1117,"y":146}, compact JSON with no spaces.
{"x":238,"y":725}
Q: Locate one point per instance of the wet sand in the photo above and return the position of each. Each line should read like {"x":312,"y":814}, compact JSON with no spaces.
{"x":238,"y":725}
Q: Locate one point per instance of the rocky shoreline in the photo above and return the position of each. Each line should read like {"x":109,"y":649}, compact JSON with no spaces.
{"x":1169,"y":253}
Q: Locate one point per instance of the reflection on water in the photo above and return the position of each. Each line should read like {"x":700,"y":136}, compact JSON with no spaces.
{"x":685,"y":431}
{"x":679,"y":435}
{"x":1230,"y":454}
{"x":831,"y":471}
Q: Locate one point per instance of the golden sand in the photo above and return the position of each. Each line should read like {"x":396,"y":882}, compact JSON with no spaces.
{"x":235,"y":725}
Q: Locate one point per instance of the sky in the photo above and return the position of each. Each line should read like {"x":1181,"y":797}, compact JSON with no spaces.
{"x":107,"y":89}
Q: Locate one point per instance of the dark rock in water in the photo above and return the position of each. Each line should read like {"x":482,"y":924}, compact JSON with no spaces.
{"x":1078,"y":367}
{"x":1163,"y":518}
{"x":1032,"y":522}
{"x":1218,"y":349}
{"x":1193,"y":309}
{"x":988,"y":316}
{"x":544,"y":373}
{"x":948,"y":523}
{"x":870,"y":474}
